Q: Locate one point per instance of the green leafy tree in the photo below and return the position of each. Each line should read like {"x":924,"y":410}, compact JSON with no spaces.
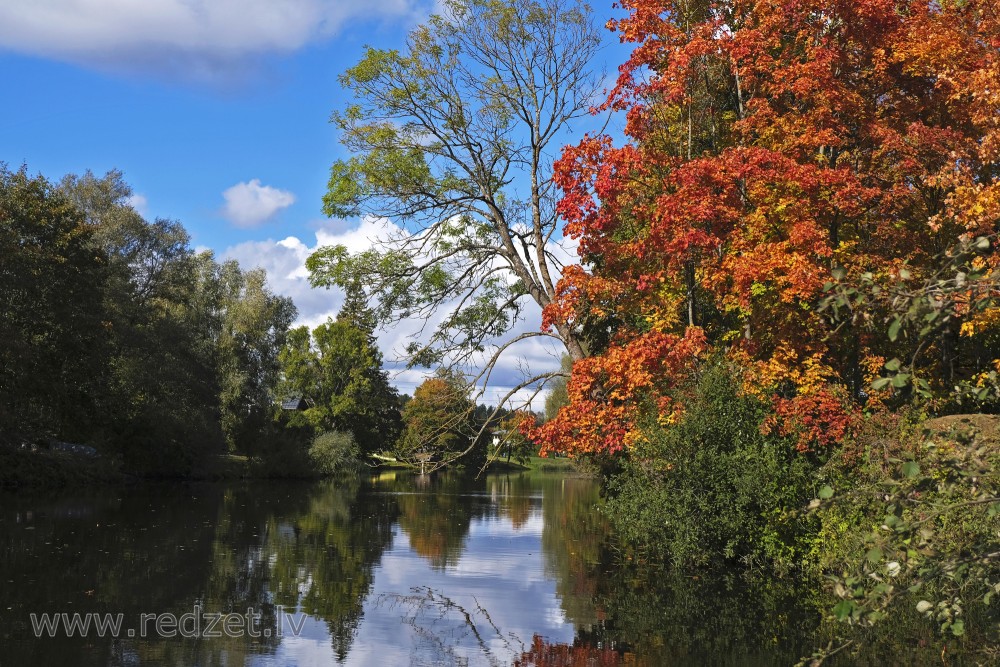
{"x":338,"y":371}
{"x":454,"y":138}
{"x":52,"y":320}
{"x":160,"y":404}
{"x":191,"y":345}
{"x":254,"y":324}
{"x":116,"y":333}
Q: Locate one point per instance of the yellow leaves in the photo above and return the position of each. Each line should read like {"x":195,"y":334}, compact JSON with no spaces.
{"x":664,"y":316}
{"x":672,"y":416}
{"x":973,"y":205}
{"x":987,"y":320}
{"x":871,"y":368}
{"x":805,"y":370}
{"x":632,"y":438}
{"x":872,"y":365}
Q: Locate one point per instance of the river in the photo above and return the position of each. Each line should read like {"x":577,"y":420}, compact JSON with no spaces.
{"x":380,"y":569}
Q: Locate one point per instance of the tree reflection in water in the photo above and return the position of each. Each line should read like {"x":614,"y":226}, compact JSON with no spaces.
{"x":437,"y":519}
{"x":443,"y":625}
{"x":225,"y":548}
{"x":323,"y":549}
{"x":545,"y":654}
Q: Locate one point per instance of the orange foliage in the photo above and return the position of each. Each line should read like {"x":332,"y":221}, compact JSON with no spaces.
{"x":815,"y":421}
{"x":768,"y":143}
{"x":606,"y":392}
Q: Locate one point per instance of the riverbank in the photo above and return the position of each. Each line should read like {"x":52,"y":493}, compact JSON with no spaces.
{"x":38,"y":466}
{"x":44,"y":468}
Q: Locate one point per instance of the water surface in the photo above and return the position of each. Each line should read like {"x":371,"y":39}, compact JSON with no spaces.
{"x":383,"y":569}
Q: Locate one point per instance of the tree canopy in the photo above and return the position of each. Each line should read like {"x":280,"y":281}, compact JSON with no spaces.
{"x":777,"y":155}
{"x":438,"y":420}
{"x":453,"y":140}
{"x":337,"y":370}
{"x":122,"y":336}
{"x":52,"y":285}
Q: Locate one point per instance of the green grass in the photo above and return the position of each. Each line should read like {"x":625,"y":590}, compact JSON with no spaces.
{"x":553,"y":465}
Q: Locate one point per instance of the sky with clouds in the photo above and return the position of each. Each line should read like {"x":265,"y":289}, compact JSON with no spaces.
{"x":217,"y":112}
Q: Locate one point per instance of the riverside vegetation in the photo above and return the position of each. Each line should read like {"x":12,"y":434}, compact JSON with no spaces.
{"x":789,"y":264}
{"x":127,"y":353}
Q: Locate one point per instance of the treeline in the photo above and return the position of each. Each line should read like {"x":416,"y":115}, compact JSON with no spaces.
{"x":340,"y":396}
{"x":117,"y":334}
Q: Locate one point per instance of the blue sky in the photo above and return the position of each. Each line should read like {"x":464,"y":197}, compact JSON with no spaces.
{"x":185,"y":129}
{"x":215,"y":110}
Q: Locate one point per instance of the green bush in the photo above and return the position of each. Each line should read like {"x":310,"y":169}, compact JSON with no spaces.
{"x":334,"y":451}
{"x":916,"y":533}
{"x":712,"y":488}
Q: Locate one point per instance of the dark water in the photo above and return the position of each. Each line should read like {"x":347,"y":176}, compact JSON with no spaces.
{"x":378,"y":570}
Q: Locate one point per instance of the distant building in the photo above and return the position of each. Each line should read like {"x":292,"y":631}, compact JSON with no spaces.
{"x":297,"y":403}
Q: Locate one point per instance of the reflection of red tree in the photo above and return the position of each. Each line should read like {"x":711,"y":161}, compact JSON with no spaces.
{"x":427,"y":537}
{"x":544,"y":654}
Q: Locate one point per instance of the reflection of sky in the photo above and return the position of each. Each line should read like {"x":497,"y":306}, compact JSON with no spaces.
{"x":310,"y":648}
{"x":499,"y":580}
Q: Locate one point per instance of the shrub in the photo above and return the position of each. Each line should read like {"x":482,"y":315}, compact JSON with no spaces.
{"x":711,"y":487}
{"x":918,"y":536}
{"x":283,"y":451}
{"x":334,"y":451}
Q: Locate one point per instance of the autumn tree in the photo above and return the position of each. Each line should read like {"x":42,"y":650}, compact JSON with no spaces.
{"x":438,"y":420}
{"x":769,"y":150}
{"x":453,"y":139}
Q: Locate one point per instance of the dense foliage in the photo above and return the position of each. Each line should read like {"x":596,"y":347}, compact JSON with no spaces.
{"x":117,"y":334}
{"x":438,"y":420}
{"x":337,"y":370}
{"x":773,"y":153}
{"x":51,"y":296}
{"x":712,"y":488}
{"x":789,"y":261}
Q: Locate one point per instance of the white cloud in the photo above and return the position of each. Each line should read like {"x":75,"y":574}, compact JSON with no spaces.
{"x":191,"y":39}
{"x":250,"y":204}
{"x":284,"y":262}
{"x":139,"y":203}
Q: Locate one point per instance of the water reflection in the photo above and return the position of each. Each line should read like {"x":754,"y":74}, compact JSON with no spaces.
{"x":383,"y":569}
{"x":387,"y":568}
{"x":436,"y":519}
